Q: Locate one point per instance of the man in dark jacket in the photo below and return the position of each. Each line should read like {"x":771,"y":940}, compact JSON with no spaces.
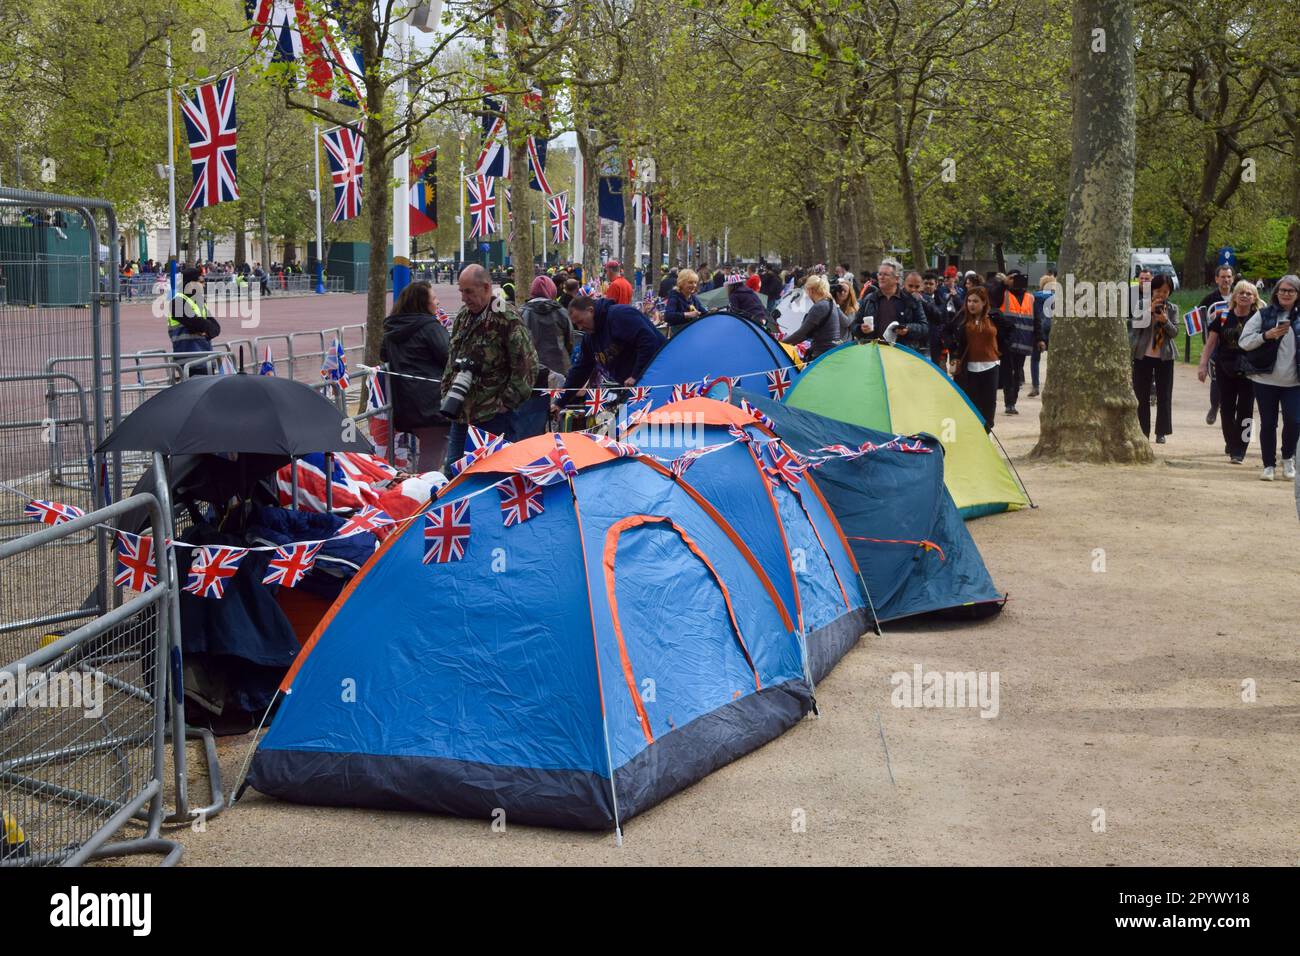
{"x":667,"y":284}
{"x":771,"y":286}
{"x":619,"y":343}
{"x":744,"y":301}
{"x":888,"y":304}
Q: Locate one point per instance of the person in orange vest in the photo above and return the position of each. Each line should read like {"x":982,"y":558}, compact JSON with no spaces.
{"x":1021,"y":332}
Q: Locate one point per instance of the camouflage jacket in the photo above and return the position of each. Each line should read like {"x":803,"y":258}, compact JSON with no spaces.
{"x":503,"y":347}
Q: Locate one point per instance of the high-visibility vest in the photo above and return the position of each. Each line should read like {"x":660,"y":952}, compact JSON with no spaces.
{"x":1020,"y":310}
{"x":174,"y":323}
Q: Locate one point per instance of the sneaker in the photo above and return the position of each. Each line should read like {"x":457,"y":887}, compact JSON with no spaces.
{"x":1211,"y":415}
{"x":1266,"y":474}
{"x":1011,"y":410}
{"x":1288,"y":468}
{"x":1236,"y":459}
{"x":1033,"y":393}
{"x":1160,"y":439}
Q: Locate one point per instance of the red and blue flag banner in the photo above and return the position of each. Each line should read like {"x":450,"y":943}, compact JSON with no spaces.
{"x":482,"y":206}
{"x":291,"y":563}
{"x":424,"y":193}
{"x":345,"y":150}
{"x":334,"y":368}
{"x":521,"y":499}
{"x":446,"y":532}
{"x":210,"y":128}
{"x":368,"y":519}
{"x":211,"y":568}
{"x":137,"y":568}
{"x":641,"y":208}
{"x":51,"y":512}
{"x":778,"y":383}
{"x":595,"y":400}
{"x":442,"y":316}
{"x":494,"y":158}
{"x":552,"y":467}
{"x":557,"y":206}
{"x":783,"y":463}
{"x":1193,"y":319}
{"x":291,"y":31}
{"x":268,"y":363}
{"x":1218,"y":310}
{"x":537,"y":165}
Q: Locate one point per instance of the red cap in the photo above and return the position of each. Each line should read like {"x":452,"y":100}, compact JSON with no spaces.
{"x":950,"y":272}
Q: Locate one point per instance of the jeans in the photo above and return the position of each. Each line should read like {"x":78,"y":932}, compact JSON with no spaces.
{"x":531,"y":416}
{"x":1269,"y":399}
{"x":982,"y":389}
{"x":1146,"y":372}
{"x":1034,"y":358}
{"x":502,"y":424}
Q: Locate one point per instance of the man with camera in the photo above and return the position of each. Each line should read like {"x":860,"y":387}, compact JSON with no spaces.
{"x":491,"y":364}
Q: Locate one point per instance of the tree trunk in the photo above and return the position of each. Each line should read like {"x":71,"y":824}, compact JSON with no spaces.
{"x":816,"y":231}
{"x":241,"y":243}
{"x":906,"y":182}
{"x":1293,"y":233}
{"x":521,"y":245}
{"x":192,"y":239}
{"x":627,"y":253}
{"x":871,"y":242}
{"x":262,"y":232}
{"x":1200,"y":214}
{"x":1088,"y":401}
{"x":378,"y":209}
{"x":1198,"y":249}
{"x":834,"y":249}
{"x":652,"y":241}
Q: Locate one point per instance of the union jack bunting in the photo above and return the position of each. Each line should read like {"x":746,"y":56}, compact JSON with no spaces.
{"x":345,"y":150}
{"x":595,"y":400}
{"x":738,"y":433}
{"x":291,"y":563}
{"x":521,"y":499}
{"x":552,"y":467}
{"x":841,"y":451}
{"x":683,"y":461}
{"x":482,"y":206}
{"x":211,"y":568}
{"x":136,"y":567}
{"x":51,"y":512}
{"x":446,"y":532}
{"x":210,"y":128}
{"x":335,"y":365}
{"x":558,"y":208}
{"x":268,"y":363}
{"x":619,"y":448}
{"x":641,"y":393}
{"x":685,"y":391}
{"x":783,"y":463}
{"x":483,"y":443}
{"x":369,"y":519}
{"x":778,"y":382}
{"x":749,"y":409}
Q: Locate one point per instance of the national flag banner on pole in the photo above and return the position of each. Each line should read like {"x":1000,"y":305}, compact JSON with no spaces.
{"x":641,"y":208}
{"x":1193,"y":319}
{"x":558,"y":207}
{"x":51,"y":512}
{"x":136,"y":567}
{"x":345,"y":150}
{"x":1218,"y":310}
{"x":537,"y":165}
{"x":334,"y":368}
{"x":291,"y":563}
{"x":482,"y":206}
{"x":446,"y":532}
{"x":211,"y":568}
{"x":424,"y":193}
{"x":210,"y":128}
{"x":268,"y":363}
{"x":494,"y":158}
{"x":295,"y":31}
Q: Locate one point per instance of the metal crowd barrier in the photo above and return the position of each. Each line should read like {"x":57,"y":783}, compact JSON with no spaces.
{"x":82,"y":740}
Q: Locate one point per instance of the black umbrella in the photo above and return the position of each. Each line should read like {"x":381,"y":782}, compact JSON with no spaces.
{"x":245,"y":414}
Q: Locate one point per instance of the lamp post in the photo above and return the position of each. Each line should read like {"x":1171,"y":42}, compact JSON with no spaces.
{"x":460,"y":220}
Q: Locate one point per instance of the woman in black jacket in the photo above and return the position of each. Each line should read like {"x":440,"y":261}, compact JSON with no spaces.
{"x":683,"y":306}
{"x":819,"y":324}
{"x":415,"y":343}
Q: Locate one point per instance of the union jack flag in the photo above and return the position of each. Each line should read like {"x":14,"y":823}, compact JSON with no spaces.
{"x":683,"y":461}
{"x":749,"y":409}
{"x":685,"y":391}
{"x":558,"y":207}
{"x":482,"y":206}
{"x":136,"y":568}
{"x":738,"y":433}
{"x":778,"y":382}
{"x":552,"y":467}
{"x":335,"y":366}
{"x":482,"y":443}
{"x":51,"y":512}
{"x":641,"y":394}
{"x":212,"y":567}
{"x":783,"y":463}
{"x":268,"y":363}
{"x":377,"y":398}
{"x":595,"y":400}
{"x":346,"y":152}
{"x":369,"y":519}
{"x":619,"y":448}
{"x":441,"y":315}
{"x":291,"y":564}
{"x":210,"y":128}
{"x":842,"y":451}
{"x":446,"y":532}
{"x":521,"y":499}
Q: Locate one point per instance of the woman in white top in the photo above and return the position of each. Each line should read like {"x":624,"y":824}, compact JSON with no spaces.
{"x":1275,"y":330}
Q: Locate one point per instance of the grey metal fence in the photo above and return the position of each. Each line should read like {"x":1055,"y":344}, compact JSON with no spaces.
{"x":82,"y":723}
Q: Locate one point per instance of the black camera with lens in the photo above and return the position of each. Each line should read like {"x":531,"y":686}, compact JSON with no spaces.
{"x":462,"y":380}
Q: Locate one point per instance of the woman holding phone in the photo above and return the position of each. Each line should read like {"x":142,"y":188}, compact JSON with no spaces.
{"x":1152,"y":344}
{"x":1271,"y":341}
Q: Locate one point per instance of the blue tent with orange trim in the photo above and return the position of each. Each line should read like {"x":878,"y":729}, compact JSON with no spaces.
{"x":786,"y":522}
{"x":716,"y":345}
{"x":572,"y":669}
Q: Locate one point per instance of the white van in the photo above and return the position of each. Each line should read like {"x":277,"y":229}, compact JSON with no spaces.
{"x":1157,"y":260}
